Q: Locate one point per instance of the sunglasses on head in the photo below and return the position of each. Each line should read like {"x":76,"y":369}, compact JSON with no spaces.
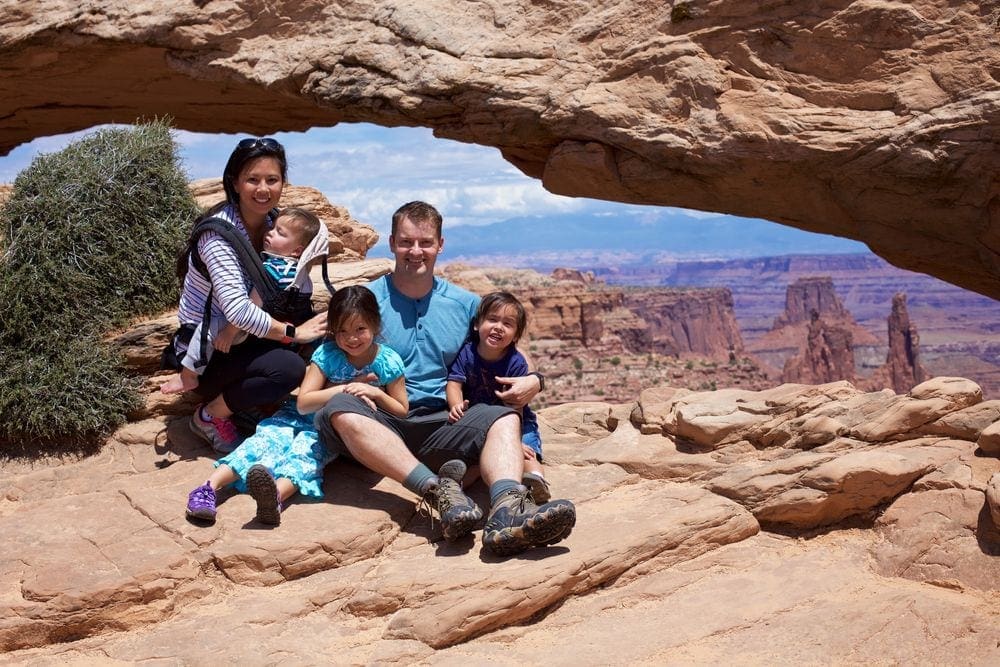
{"x":254,"y":142}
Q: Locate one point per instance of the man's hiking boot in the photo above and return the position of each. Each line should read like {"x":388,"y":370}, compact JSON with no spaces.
{"x":459,"y":514}
{"x":264,"y":491}
{"x":538,"y":487}
{"x":219,"y":432}
{"x":516,"y":523}
{"x":201,"y":503}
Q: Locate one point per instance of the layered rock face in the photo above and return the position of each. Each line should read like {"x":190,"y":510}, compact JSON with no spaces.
{"x":872,"y":120}
{"x":813,"y":337}
{"x":692,"y":509}
{"x":598,"y":342}
{"x":902,"y":370}
{"x":828,"y":355}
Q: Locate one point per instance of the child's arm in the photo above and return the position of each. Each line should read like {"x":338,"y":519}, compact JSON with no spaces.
{"x":457,"y":405}
{"x":314,"y":392}
{"x":394,"y":400}
{"x":224,"y":341}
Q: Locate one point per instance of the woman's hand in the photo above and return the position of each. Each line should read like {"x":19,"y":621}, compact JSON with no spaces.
{"x":311,"y":329}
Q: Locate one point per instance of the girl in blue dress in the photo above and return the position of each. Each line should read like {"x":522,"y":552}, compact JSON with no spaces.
{"x":284,"y":456}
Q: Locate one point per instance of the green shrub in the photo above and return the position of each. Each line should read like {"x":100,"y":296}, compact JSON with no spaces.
{"x":90,"y":234}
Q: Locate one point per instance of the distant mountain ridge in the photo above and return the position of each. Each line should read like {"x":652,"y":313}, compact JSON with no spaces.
{"x":662,"y":231}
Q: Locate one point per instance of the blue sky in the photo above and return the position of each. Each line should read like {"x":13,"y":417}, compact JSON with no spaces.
{"x":371,"y":170}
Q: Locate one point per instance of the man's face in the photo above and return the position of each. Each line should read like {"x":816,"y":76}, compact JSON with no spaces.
{"x":416,"y":246}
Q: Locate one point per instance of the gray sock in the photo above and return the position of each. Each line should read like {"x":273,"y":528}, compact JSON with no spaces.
{"x":420,"y":479}
{"x":499,"y":487}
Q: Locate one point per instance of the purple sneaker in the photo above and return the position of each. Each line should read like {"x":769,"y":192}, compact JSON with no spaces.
{"x":262,"y":488}
{"x":201,"y":503}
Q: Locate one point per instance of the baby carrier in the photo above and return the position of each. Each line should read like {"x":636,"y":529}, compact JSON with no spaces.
{"x":287,"y":305}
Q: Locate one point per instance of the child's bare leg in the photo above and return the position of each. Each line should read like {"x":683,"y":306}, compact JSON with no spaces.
{"x":222,"y":476}
{"x":534,"y":477}
{"x":186,"y":380}
{"x":286,"y":489}
{"x":533,"y":466}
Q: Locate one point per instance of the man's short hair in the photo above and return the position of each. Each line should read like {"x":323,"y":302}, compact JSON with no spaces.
{"x":418,"y":212}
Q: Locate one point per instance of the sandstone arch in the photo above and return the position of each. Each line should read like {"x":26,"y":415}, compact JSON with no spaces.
{"x":869,"y":119}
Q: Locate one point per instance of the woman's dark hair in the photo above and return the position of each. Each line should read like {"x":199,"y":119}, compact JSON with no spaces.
{"x":245,"y":151}
{"x":349,"y":301}
{"x":502,"y":300}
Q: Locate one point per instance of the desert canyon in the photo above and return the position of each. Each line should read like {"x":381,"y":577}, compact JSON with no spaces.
{"x":807,"y":522}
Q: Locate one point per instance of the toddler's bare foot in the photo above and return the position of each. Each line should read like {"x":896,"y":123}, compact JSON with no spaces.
{"x":179,"y":383}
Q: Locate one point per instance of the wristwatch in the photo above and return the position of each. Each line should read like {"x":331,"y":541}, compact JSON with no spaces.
{"x":289,"y":334}
{"x":541,"y":380}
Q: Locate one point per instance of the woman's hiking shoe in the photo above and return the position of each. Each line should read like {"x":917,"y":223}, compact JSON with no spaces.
{"x":219,"y":432}
{"x":516,"y":523}
{"x":538,"y":487}
{"x":262,"y":488}
{"x":201,"y":503}
{"x":459,"y":513}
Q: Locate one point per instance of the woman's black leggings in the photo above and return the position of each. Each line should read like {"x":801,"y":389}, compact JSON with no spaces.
{"x":253,"y":373}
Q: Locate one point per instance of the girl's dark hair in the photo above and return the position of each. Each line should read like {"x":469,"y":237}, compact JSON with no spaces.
{"x":349,"y":301}
{"x":245,"y":151}
{"x":501,"y":300}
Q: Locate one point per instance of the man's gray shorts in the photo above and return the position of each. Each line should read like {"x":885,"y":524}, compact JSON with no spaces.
{"x":430,"y":437}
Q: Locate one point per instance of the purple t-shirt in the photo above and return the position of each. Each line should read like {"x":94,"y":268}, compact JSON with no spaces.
{"x":478,"y":378}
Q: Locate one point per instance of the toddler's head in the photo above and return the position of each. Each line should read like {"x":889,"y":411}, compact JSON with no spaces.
{"x":500,"y":320}
{"x":352,"y":319}
{"x":292,"y":232}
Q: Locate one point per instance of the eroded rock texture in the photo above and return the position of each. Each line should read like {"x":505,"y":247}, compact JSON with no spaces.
{"x":869,"y":119}
{"x":710,"y":513}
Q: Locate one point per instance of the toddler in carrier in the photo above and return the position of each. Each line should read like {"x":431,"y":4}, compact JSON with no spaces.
{"x":284,"y":244}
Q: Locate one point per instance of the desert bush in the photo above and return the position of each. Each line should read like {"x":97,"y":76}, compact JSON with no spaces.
{"x":90,"y":234}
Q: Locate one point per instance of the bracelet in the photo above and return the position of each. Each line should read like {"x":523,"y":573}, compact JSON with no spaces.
{"x":541,"y":380}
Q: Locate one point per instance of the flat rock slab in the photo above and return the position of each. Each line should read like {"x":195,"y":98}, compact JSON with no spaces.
{"x":433,"y":593}
{"x":85,"y":564}
{"x":764,"y":601}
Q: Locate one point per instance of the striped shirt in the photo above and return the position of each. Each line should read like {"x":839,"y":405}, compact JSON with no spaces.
{"x":231,"y":296}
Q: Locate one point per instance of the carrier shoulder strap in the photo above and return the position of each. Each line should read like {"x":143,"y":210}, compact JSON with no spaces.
{"x":266,"y":285}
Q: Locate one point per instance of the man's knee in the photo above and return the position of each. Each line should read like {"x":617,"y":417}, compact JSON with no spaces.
{"x":506,"y":425}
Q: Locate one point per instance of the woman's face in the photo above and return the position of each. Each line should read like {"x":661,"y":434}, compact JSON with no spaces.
{"x":259,"y":187}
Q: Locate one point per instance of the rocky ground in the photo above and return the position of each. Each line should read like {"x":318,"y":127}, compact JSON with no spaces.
{"x":800,"y":524}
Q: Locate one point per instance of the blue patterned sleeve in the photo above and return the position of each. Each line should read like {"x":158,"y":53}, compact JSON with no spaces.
{"x":388,"y":365}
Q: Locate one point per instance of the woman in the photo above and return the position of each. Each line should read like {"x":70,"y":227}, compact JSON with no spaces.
{"x":263,"y":369}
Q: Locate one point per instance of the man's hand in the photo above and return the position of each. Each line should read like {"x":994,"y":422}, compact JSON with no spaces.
{"x":457,"y":411}
{"x":520,"y":390}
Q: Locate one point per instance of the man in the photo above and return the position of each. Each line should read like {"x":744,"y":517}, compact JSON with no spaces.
{"x":426,"y":319}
